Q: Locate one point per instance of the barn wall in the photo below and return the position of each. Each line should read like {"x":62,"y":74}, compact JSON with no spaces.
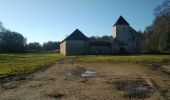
{"x":99,"y":50}
{"x":76,"y":47}
{"x":114,"y":48}
{"x":63,"y":48}
{"x":114,"y":32}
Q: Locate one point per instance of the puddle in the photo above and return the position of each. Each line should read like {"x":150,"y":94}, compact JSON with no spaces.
{"x":88,"y":73}
{"x":80,"y":72}
{"x":59,"y":62}
{"x":134,"y":88}
{"x":142,"y":88}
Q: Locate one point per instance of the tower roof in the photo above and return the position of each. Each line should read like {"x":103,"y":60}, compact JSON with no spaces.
{"x":76,"y":35}
{"x":121,"y":21}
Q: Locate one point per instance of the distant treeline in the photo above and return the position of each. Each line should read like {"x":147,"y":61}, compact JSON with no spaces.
{"x":102,"y":38}
{"x":11,"y":41}
{"x":156,"y":36}
{"x":14,"y":42}
{"x":47,"y":46}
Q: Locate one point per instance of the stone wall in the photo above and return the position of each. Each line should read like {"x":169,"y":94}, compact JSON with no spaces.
{"x":63,"y":48}
{"x":99,"y":50}
{"x":128,"y":36}
{"x":76,"y":47}
{"x":114,"y":32}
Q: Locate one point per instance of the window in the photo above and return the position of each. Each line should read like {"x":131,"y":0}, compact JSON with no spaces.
{"x":137,"y":44}
{"x":123,"y":29}
{"x":133,"y":37}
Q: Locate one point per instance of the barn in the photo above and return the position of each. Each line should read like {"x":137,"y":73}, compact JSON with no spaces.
{"x":74,"y":44}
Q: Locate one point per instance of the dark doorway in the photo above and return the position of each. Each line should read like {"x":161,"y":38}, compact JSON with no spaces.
{"x":123,"y":51}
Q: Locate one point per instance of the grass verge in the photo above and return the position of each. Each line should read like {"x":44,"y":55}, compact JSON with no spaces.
{"x":134,"y":59}
{"x":18,"y":64}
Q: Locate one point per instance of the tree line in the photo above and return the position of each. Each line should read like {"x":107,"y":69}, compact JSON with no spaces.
{"x":14,"y":42}
{"x":157,"y":35}
{"x":101,"y":38}
{"x":47,"y":46}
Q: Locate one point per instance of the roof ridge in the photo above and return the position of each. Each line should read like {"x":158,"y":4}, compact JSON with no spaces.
{"x":121,"y":21}
{"x":76,"y":35}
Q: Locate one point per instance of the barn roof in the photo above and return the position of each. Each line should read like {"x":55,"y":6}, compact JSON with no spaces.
{"x":76,"y":35}
{"x":121,"y":21}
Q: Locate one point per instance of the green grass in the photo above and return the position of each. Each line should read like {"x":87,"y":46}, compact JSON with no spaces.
{"x":137,"y":59}
{"x":16,"y":64}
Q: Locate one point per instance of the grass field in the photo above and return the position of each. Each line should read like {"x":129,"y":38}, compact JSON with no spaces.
{"x":137,"y":59}
{"x":15,"y":64}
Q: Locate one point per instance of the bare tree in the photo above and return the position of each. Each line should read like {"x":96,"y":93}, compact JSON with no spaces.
{"x":163,"y":10}
{"x":157,"y":36}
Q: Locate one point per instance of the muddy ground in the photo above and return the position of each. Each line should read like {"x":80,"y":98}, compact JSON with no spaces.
{"x":66,"y":81}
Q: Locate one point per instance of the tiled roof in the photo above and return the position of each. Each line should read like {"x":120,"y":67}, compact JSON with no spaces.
{"x":121,"y":21}
{"x":76,"y":35}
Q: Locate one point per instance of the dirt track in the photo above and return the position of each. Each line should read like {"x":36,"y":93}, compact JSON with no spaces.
{"x":112,"y":82}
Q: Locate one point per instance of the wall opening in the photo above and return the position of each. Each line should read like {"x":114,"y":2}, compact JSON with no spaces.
{"x":123,"y":51}
{"x":133,"y":37}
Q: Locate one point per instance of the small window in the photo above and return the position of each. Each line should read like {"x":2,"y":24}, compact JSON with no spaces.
{"x":133,"y":37}
{"x":123,"y":28}
{"x":137,"y":44}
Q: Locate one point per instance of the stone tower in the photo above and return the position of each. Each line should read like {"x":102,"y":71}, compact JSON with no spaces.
{"x":125,"y":37}
{"x":120,"y":29}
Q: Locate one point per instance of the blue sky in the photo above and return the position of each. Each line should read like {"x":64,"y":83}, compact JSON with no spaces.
{"x":44,"y":20}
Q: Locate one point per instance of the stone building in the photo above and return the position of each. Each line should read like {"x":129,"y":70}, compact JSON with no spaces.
{"x":75,"y":44}
{"x":125,"y":40}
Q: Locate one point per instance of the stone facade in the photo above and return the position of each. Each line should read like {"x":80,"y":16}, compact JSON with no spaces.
{"x":125,"y":40}
{"x":75,"y":44}
{"x":126,"y":37}
{"x":72,"y":47}
{"x":99,"y":47}
{"x":63,"y":48}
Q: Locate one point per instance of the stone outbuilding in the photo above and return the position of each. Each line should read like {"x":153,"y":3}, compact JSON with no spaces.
{"x":74,"y":44}
{"x":125,"y":38}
